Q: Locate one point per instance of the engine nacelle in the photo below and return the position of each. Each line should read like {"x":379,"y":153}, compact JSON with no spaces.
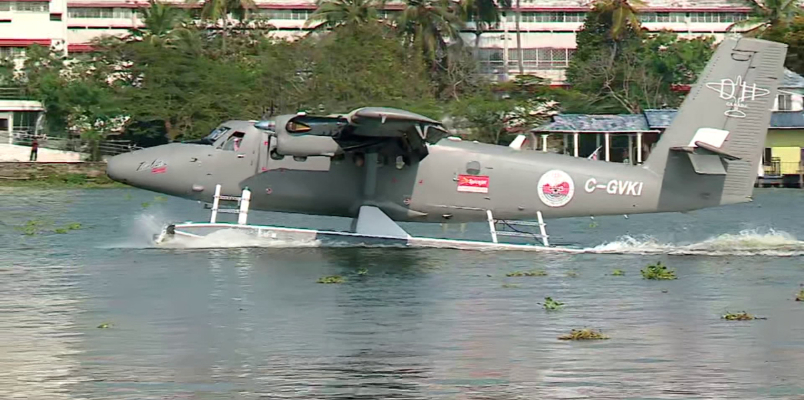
{"x":307,"y":146}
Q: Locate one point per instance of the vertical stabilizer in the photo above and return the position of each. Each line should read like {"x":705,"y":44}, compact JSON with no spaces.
{"x":718,"y":135}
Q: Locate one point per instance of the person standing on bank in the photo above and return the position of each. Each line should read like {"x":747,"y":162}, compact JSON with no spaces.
{"x":34,"y":149}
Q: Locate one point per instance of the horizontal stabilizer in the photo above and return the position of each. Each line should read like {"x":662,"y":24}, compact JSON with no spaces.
{"x":707,"y":164}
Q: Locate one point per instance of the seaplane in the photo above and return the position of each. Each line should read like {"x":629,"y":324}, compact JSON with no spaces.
{"x":380,"y":166}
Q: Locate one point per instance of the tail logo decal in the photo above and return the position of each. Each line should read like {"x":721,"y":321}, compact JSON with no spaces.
{"x":737,"y":93}
{"x":556,"y":188}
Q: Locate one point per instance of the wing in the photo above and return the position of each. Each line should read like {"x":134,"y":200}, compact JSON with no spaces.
{"x":371,"y":129}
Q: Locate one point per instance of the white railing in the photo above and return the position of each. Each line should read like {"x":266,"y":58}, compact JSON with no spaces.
{"x":106,"y":147}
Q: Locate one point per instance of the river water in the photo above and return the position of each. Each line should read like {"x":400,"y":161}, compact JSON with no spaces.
{"x":99,"y":313}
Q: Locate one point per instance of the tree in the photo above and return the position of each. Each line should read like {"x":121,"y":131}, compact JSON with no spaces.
{"x":160,"y":19}
{"x":483,"y":13}
{"x":768,"y":18}
{"x":219,"y":10}
{"x":379,"y":70}
{"x":430,"y":25}
{"x":794,"y":38}
{"x":331,"y":14}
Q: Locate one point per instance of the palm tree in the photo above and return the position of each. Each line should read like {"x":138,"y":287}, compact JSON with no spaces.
{"x":430,"y":24}
{"x":623,"y":16}
{"x":160,"y":19}
{"x":214,"y":10}
{"x":484,"y":14}
{"x":336,"y":13}
{"x":767,"y":16}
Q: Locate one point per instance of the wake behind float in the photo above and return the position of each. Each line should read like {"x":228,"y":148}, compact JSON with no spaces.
{"x":371,"y":228}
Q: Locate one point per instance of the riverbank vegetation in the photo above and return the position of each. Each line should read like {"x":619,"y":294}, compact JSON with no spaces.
{"x":178,"y":78}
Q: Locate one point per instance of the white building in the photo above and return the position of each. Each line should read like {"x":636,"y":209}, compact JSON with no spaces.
{"x":547,"y":28}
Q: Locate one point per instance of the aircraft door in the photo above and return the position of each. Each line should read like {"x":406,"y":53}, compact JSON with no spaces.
{"x":238,"y":154}
{"x":265,"y":146}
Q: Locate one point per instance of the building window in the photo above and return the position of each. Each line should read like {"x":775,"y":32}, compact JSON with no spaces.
{"x":55,"y":17}
{"x":292,"y":15}
{"x":32,"y":6}
{"x":785,"y":102}
{"x":99,"y":12}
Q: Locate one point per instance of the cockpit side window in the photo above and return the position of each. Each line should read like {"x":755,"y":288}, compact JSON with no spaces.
{"x":234,"y":142}
{"x":217,"y":133}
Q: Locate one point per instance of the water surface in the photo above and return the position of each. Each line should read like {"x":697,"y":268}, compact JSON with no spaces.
{"x":250,"y":323}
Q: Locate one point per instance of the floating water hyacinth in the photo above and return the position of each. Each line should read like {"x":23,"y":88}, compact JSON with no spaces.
{"x":618,"y":272}
{"x":743,"y":316}
{"x":584,"y":334}
{"x":527,"y":273}
{"x":550,"y":304}
{"x":331,"y":279}
{"x":658,"y":271}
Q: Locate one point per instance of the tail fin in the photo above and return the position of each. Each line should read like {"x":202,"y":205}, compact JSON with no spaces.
{"x":718,"y":135}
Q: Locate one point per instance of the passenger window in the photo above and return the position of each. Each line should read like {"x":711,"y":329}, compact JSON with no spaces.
{"x":234,"y":142}
{"x":473,"y":168}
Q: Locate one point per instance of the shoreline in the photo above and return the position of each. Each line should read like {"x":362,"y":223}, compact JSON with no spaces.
{"x":56,"y":175}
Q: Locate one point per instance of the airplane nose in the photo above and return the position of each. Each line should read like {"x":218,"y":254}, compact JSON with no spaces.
{"x":120,"y":167}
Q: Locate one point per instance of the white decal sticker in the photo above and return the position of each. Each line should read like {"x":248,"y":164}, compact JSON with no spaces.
{"x":615,"y":186}
{"x":737,"y":93}
{"x":556,"y":188}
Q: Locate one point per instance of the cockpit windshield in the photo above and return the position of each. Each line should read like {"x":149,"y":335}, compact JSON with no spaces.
{"x":212,"y":137}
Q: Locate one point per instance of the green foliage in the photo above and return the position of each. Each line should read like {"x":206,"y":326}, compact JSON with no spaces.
{"x":790,"y":32}
{"x":618,"y":272}
{"x":658,"y":271}
{"x":800,"y":295}
{"x":619,"y":68}
{"x":361,"y":66}
{"x":362,"y":271}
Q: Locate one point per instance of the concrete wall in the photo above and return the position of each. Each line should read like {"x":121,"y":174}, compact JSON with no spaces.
{"x":785,"y":138}
{"x":11,"y":152}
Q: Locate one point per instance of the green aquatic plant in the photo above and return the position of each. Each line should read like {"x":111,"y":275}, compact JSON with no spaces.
{"x":572,"y":274}
{"x":128,"y":196}
{"x":362,"y":271}
{"x":658,"y":271}
{"x":74,"y":226}
{"x":105,"y":325}
{"x":618,"y":272}
{"x":527,"y":273}
{"x":510,"y":285}
{"x":584,"y":334}
{"x":550,"y":304}
{"x":60,"y":230}
{"x":332,"y":279}
{"x":160,"y":199}
{"x":31,"y":227}
{"x":146,"y":205}
{"x":800,"y":295}
{"x":742,"y":316}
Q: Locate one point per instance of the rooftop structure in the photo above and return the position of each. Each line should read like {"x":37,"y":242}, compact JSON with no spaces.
{"x":547,"y":28}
